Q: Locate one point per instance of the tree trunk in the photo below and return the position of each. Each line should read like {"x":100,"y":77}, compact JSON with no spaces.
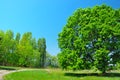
{"x":103,"y":72}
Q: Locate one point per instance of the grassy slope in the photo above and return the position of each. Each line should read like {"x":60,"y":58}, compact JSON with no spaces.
{"x":55,"y":75}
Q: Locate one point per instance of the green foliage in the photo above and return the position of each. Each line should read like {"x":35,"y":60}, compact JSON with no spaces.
{"x":42,"y":50}
{"x":90,"y":34}
{"x":101,"y":59}
{"x":20,"y":51}
{"x":117,"y":65}
{"x":51,"y":61}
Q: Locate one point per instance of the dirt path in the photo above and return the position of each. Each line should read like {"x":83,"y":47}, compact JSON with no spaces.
{"x":4,"y":72}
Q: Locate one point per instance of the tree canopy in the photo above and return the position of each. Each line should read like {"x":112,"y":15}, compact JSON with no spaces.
{"x":20,"y":50}
{"x":91,"y":37}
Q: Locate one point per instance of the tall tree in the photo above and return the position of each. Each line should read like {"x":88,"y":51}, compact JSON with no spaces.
{"x":25,"y":50}
{"x":2,"y":34}
{"x":91,"y":37}
{"x":42,"y":50}
{"x":8,"y":47}
{"x":34,"y":43}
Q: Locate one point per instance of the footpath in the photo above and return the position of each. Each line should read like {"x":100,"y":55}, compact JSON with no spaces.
{"x":4,"y":72}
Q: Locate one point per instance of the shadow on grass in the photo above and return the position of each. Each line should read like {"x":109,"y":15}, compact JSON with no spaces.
{"x":7,"y":68}
{"x":92,"y":74}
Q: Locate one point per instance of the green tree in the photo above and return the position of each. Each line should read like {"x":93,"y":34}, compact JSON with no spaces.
{"x":42,"y":50}
{"x":36,"y":54}
{"x":21,"y":51}
{"x":89,"y":35}
{"x":2,"y":34}
{"x":25,"y":50}
{"x":54,"y":62}
{"x":51,"y":61}
{"x":48,"y":60}
{"x":9,"y":48}
{"x":34,"y":43}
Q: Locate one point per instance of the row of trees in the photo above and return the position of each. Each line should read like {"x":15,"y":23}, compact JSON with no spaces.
{"x":91,"y":38}
{"x":23,"y":51}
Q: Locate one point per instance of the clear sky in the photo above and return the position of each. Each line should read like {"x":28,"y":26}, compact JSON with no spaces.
{"x":44,"y":18}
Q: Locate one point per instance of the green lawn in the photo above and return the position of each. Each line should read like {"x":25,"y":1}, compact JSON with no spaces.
{"x":56,"y":74}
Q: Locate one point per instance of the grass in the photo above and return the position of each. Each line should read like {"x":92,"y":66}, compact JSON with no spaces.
{"x":57,"y":74}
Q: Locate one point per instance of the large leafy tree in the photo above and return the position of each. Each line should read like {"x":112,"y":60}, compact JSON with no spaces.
{"x":91,"y":37}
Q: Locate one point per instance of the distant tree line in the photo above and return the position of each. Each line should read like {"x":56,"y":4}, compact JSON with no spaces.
{"x":23,"y":51}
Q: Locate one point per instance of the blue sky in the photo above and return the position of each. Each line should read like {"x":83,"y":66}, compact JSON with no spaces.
{"x":44,"y":18}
